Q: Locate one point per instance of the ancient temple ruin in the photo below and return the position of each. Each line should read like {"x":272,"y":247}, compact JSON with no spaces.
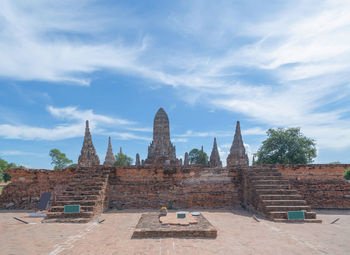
{"x":88,"y":156}
{"x":110,"y":158}
{"x":161,"y":150}
{"x":237,"y":156}
{"x":214,"y":156}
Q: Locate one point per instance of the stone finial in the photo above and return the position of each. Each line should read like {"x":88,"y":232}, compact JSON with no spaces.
{"x":88,"y":156}
{"x":214,"y":156}
{"x":186,"y":160}
{"x":237,"y":156}
{"x":110,"y":158}
{"x":137,"y":161}
{"x":120,"y":151}
{"x":161,"y":150}
{"x":202,"y":149}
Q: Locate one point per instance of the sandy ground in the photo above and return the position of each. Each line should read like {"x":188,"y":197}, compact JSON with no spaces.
{"x":238,"y":233}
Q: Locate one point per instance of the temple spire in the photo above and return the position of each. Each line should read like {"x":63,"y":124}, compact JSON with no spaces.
{"x":137,"y":161}
{"x":237,"y":154}
{"x":186,"y":160}
{"x":214,"y":156}
{"x":161,"y":150}
{"x":110,"y":158}
{"x":88,"y":156}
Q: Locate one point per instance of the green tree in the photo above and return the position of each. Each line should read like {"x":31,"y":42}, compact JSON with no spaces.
{"x":347,"y":174}
{"x":4,"y":165}
{"x":122,"y":160}
{"x":59,"y":159}
{"x":286,"y":146}
{"x":198,"y":157}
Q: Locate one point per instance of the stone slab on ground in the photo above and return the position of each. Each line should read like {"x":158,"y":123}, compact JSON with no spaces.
{"x":149,"y":226}
{"x":172,"y":219}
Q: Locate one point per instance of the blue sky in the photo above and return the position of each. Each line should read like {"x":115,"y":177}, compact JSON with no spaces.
{"x":268,"y":64}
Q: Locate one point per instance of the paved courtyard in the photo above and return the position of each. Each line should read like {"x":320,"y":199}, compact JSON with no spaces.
{"x":238,"y":233}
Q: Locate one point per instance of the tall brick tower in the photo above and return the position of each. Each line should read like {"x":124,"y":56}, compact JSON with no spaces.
{"x":237,"y":156}
{"x":110,"y":158}
{"x":161,"y":150}
{"x":88,"y":156}
{"x":214,"y":156}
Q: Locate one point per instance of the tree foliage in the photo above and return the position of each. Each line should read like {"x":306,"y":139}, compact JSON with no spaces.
{"x":4,"y":165}
{"x":59,"y":159}
{"x":347,"y":174}
{"x":286,"y":146}
{"x":198,"y":157}
{"x":122,"y":160}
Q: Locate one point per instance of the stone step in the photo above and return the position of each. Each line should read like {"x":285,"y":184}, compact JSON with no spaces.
{"x":60,"y":208}
{"x":256,"y":178}
{"x":273,"y":182}
{"x":77,"y":198}
{"x":277,"y":192}
{"x":286,"y":208}
{"x":51,"y":215}
{"x":89,"y":180}
{"x":297,"y":221}
{"x":84,"y":188}
{"x":281,"y":197}
{"x":81,"y":193}
{"x":284,"y":202}
{"x":271,"y":186}
{"x":74,"y":202}
{"x":284,"y":215}
{"x":67,"y":220}
{"x":259,"y":174}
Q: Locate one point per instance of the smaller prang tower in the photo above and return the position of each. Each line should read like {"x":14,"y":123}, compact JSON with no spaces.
{"x":237,"y":156}
{"x":110,"y":158}
{"x":161,"y":150}
{"x":214,"y":156}
{"x":88,"y":156}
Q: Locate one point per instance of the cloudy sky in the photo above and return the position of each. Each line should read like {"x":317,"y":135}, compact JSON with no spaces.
{"x":208,"y":63}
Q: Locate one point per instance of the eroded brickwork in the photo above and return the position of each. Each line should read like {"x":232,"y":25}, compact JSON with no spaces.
{"x":27,"y":185}
{"x":322,"y":186}
{"x":174,"y":187}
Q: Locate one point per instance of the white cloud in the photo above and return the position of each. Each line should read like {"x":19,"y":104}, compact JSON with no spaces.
{"x":20,"y":153}
{"x":74,"y":126}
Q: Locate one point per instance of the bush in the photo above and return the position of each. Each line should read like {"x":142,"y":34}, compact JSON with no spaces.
{"x":347,"y":174}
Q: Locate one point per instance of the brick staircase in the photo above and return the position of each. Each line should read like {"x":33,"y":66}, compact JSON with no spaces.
{"x":87,"y":189}
{"x":267,"y":192}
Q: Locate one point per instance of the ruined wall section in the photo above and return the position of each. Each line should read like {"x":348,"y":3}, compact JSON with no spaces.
{"x":27,"y":185}
{"x":323,"y":186}
{"x":174,"y":187}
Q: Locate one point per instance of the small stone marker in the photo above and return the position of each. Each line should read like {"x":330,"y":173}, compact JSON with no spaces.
{"x":181,"y":215}
{"x":296,"y":215}
{"x":72,"y":209}
{"x":44,"y":200}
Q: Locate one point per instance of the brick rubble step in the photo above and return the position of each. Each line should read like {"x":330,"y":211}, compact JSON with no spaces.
{"x":285,"y":202}
{"x":283,"y":215}
{"x":271,"y":186}
{"x":273,"y":182}
{"x":75,"y":202}
{"x":255,"y":178}
{"x":287,"y":208}
{"x":60,"y":208}
{"x":277,"y":192}
{"x":77,"y":197}
{"x":51,"y":215}
{"x":280,"y":197}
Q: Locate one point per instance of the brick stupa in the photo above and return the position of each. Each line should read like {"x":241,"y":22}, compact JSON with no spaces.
{"x":214,"y":156}
{"x":88,"y":156}
{"x":161,"y":150}
{"x":110,"y":158}
{"x":237,"y":156}
{"x":137,"y":161}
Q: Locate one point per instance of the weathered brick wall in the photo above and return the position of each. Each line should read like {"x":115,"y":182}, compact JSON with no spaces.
{"x":323,"y":186}
{"x":27,"y":185}
{"x":174,"y":187}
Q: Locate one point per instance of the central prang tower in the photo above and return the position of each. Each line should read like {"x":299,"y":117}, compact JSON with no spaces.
{"x":161,"y":150}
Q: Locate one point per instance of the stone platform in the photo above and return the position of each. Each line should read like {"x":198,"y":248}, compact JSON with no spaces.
{"x":149,"y":226}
